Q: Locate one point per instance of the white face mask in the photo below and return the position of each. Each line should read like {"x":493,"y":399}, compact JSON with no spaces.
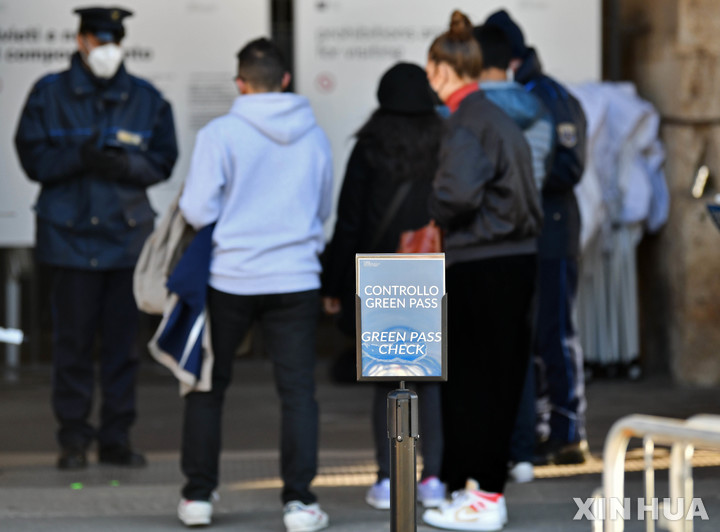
{"x":105,"y":60}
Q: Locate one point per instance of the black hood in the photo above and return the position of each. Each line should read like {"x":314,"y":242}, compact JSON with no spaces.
{"x":530,"y":68}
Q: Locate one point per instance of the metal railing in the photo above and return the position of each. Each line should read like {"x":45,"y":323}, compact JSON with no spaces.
{"x":682,"y":436}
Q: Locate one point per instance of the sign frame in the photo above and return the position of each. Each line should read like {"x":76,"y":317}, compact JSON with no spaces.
{"x":361,"y":376}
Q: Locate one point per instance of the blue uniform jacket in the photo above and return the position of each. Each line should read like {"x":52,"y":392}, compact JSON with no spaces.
{"x":560,"y":237}
{"x":83,"y":220}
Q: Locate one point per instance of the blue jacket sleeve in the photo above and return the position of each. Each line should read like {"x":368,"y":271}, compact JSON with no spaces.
{"x":569,"y":123}
{"x":43,"y":160}
{"x":568,"y":164}
{"x":154,"y":165}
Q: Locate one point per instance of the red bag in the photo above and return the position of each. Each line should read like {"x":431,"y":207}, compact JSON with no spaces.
{"x":427,"y":239}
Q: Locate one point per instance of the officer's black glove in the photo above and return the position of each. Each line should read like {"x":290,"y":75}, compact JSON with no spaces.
{"x":114,"y":164}
{"x":90,"y":153}
{"x":106,"y":163}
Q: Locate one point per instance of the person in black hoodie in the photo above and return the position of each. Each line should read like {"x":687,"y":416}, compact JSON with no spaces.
{"x":398,"y":144}
{"x":557,"y":346}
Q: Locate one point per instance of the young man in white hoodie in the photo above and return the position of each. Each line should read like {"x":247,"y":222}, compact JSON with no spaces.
{"x":263,"y":174}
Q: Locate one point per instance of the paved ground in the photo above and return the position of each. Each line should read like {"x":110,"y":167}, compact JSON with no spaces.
{"x":34,"y":496}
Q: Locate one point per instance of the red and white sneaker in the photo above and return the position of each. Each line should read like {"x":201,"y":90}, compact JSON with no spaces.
{"x":470,"y":509}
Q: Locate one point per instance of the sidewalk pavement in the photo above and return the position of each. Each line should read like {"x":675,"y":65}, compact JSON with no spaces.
{"x":35,"y":496}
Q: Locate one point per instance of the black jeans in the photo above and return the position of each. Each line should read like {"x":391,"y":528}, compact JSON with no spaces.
{"x":289,"y":329}
{"x":490,"y":305}
{"x":84,"y":304}
{"x":522,"y":444}
{"x":430,"y":427}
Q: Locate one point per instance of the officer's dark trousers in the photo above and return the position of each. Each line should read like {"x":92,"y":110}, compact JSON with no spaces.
{"x":524,"y":439}
{"x":87,"y":306}
{"x":288,"y":324}
{"x":562,"y":377}
{"x":490,"y":305}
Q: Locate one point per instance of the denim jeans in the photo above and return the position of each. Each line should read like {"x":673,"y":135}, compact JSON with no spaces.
{"x":288,"y":324}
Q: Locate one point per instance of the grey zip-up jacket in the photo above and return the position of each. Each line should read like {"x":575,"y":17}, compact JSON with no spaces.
{"x":484,"y":194}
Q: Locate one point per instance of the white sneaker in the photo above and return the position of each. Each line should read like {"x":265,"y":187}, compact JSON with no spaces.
{"x":431,"y":492}
{"x":470,"y":509}
{"x":299,"y":517}
{"x":522,"y":472}
{"x":378,"y":495}
{"x":195,"y":513}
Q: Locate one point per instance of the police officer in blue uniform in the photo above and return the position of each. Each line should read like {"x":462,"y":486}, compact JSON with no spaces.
{"x":95,"y":138}
{"x":556,"y":343}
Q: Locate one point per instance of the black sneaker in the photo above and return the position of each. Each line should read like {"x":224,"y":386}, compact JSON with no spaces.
{"x":72,"y":458}
{"x":557,"y":452}
{"x":122,"y":456}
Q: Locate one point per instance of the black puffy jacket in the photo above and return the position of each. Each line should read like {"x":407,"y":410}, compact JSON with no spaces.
{"x":484,"y":194}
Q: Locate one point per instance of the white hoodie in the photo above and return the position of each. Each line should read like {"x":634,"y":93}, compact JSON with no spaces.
{"x":263,"y":172}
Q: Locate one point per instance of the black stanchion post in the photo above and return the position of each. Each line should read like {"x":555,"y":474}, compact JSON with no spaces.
{"x":402,"y":423}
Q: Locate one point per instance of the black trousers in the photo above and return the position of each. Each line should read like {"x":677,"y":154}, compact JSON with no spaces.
{"x":289,"y":329}
{"x":490,"y":306}
{"x":86,"y":304}
{"x":562,"y":377}
{"x":429,"y":425}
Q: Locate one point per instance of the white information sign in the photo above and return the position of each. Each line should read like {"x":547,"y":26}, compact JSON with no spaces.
{"x":342,"y":47}
{"x":186,"y":48}
{"x":401,"y":317}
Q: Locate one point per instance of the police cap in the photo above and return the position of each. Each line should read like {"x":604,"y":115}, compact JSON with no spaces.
{"x":103,"y":22}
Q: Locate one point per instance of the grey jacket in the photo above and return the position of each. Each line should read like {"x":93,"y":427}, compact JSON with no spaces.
{"x":484,"y":194}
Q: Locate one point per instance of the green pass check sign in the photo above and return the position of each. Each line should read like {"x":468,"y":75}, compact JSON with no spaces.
{"x":401,"y":317}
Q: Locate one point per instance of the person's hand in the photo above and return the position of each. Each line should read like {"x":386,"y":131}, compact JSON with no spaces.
{"x":105,"y":163}
{"x":114,"y":163}
{"x":89,"y":151}
{"x":331,"y":305}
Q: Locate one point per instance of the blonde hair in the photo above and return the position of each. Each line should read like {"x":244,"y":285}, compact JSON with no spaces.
{"x":458,"y":48}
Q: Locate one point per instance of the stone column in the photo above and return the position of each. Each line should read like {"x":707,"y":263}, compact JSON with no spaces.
{"x":675,"y":63}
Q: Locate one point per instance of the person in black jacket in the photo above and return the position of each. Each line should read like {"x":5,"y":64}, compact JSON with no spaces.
{"x":485,"y":198}
{"x":561,"y":381}
{"x":95,"y":138}
{"x":398,"y":144}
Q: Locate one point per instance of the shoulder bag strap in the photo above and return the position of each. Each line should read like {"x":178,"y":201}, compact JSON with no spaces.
{"x":392,"y":210}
